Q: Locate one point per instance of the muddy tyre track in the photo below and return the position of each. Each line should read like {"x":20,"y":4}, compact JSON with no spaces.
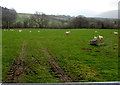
{"x":36,"y":59}
{"x":18,"y":67}
{"x":56,"y":68}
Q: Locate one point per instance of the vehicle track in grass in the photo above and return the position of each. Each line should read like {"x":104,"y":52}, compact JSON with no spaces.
{"x":36,"y":59}
{"x":18,"y":67}
{"x":56,"y":68}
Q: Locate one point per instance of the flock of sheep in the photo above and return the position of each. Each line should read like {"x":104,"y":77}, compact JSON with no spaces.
{"x":94,"y":41}
{"x":18,"y":30}
{"x":67,"y":32}
{"x":98,"y":39}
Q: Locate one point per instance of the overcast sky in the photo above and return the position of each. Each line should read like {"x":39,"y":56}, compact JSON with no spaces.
{"x":67,"y":7}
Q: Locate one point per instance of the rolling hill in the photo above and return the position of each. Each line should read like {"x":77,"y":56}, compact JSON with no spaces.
{"x":109,"y":14}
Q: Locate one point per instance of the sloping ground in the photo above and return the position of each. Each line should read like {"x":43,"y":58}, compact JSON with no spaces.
{"x":22,"y":16}
{"x":109,"y":14}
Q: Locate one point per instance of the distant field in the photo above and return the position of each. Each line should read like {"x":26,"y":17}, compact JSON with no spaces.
{"x":51,"y":56}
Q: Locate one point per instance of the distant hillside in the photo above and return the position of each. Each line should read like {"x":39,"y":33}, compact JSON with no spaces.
{"x":22,"y":16}
{"x":65,"y":18}
{"x":109,"y":14}
{"x":54,"y":20}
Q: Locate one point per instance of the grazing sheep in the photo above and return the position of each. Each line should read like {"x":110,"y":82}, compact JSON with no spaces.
{"x":100,"y":37}
{"x":68,"y":32}
{"x":95,"y":37}
{"x":38,"y":31}
{"x":30,"y":31}
{"x":96,"y":40}
{"x":11,"y":30}
{"x":20,"y":30}
{"x":115,"y":33}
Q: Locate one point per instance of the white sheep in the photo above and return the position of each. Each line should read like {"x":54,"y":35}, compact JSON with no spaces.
{"x":20,"y":30}
{"x":11,"y":29}
{"x":115,"y":33}
{"x":96,"y":40}
{"x":95,"y":37}
{"x":38,"y":31}
{"x":68,"y":32}
{"x":30,"y":31}
{"x":100,"y":37}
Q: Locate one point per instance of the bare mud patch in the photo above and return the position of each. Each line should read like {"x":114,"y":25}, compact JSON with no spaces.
{"x":17,"y":69}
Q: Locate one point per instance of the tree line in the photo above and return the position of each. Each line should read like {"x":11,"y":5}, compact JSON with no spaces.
{"x":8,"y":17}
{"x":41,"y":20}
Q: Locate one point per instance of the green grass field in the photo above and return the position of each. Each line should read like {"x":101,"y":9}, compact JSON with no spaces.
{"x":72,"y":53}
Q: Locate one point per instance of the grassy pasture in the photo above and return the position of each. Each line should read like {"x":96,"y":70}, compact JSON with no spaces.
{"x":81,"y":61}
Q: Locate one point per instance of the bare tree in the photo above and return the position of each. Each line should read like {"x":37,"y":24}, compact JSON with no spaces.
{"x":40,"y":19}
{"x":8,"y":17}
{"x":79,"y":22}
